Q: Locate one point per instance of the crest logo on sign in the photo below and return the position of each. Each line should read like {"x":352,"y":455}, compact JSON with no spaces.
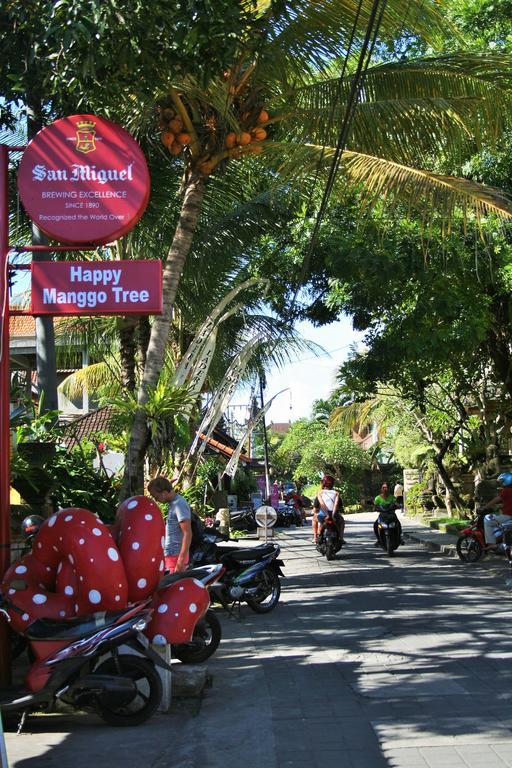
{"x":85,"y":136}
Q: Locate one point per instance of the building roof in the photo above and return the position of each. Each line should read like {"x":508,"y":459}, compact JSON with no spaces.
{"x":89,"y":425}
{"x":223,"y":449}
{"x":280,"y":427}
{"x":22,"y":325}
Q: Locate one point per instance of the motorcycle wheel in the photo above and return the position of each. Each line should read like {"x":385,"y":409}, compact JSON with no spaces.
{"x":469,"y":549}
{"x":204,"y":643}
{"x":329,"y":552}
{"x":149,"y":690}
{"x":271,"y":587}
{"x":389,"y":545}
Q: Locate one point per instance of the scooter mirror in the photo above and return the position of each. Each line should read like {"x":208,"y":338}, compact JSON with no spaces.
{"x":18,"y":584}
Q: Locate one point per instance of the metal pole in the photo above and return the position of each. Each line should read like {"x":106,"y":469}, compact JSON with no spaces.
{"x":5,"y":447}
{"x":265,"y":446}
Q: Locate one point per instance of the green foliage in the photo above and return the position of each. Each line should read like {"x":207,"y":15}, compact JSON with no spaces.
{"x":95,"y":55}
{"x":243,"y":484}
{"x":414,"y":497}
{"x":311,"y":448}
{"x":77,"y":484}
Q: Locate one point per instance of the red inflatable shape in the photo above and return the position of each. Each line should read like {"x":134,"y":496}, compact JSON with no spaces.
{"x":140,"y":532}
{"x":178,"y":608}
{"x":75,"y":554}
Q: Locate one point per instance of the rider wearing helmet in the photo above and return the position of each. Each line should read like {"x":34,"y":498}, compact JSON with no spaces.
{"x":329,"y":502}
{"x":504,"y":499}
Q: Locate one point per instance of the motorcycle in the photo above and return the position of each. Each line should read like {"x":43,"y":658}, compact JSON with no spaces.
{"x":208,"y":631}
{"x":388,"y":528}
{"x":243,"y":519}
{"x":329,"y":539}
{"x":78,"y":662}
{"x":251,"y":575}
{"x":471,"y":544}
{"x":285,"y":515}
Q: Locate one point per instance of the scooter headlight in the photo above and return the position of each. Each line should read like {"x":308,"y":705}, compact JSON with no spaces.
{"x":141,"y":624}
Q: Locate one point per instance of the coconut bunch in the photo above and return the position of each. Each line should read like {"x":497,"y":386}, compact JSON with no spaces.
{"x":252,"y":133}
{"x":173,"y":135}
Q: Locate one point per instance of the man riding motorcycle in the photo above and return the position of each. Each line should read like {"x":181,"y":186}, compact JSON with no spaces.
{"x":504,"y":500}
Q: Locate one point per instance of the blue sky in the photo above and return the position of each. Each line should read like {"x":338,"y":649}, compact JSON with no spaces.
{"x":310,"y":377}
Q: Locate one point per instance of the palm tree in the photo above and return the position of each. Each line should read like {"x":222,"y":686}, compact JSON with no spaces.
{"x":280,"y":107}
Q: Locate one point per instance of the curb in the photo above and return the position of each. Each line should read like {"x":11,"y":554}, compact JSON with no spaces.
{"x":431,"y":544}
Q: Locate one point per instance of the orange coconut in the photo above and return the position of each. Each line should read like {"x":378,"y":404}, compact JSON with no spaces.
{"x":176,"y":125}
{"x":259,"y":134}
{"x":243,"y":138}
{"x":167,"y":138}
{"x":184,"y":138}
{"x":262,"y":117}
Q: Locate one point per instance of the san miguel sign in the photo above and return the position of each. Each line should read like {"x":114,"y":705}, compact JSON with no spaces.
{"x":96,"y":287}
{"x":84,"y":180}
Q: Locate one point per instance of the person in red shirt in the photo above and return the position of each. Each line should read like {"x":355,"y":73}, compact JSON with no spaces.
{"x":504,"y":500}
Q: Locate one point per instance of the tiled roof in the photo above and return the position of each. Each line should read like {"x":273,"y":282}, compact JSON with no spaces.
{"x":22,"y":325}
{"x":86,"y":426}
{"x":224,"y":449}
{"x":25,"y":325}
{"x":280,"y":427}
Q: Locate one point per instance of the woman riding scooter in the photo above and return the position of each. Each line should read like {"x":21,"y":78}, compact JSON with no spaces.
{"x":329,"y":501}
{"x":385,"y":499}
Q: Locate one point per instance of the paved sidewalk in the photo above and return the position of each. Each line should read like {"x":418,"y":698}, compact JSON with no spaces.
{"x":431,"y":539}
{"x":368,"y":662}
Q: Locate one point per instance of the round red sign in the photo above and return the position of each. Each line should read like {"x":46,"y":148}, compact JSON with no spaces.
{"x":84,"y":180}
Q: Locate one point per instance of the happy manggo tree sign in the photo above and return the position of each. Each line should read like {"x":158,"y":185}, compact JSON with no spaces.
{"x":96,"y":287}
{"x":84,"y":180}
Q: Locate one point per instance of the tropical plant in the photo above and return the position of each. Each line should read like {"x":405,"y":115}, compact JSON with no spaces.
{"x":279,"y":105}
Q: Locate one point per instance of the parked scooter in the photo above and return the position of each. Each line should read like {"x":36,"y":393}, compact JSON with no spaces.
{"x":329,"y":539}
{"x":251,"y":575}
{"x":388,"y":528}
{"x":243,"y":519}
{"x":285,"y":515}
{"x":78,"y":662}
{"x":208,"y":631}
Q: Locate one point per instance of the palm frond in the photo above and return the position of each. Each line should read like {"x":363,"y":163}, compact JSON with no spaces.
{"x":92,"y":378}
{"x":423,"y":189}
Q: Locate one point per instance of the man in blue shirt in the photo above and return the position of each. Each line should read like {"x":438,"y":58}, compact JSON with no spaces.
{"x":178,"y":532}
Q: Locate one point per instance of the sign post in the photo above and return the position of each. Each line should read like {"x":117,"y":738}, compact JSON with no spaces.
{"x":84,"y":182}
{"x":266,"y":518}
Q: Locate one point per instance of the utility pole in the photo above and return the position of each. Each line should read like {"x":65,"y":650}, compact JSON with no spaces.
{"x":46,"y":360}
{"x":265,"y":440}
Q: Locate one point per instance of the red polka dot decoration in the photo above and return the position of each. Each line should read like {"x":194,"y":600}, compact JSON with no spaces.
{"x":37,"y":600}
{"x":140,"y":539}
{"x":177,"y":609}
{"x":81,"y":568}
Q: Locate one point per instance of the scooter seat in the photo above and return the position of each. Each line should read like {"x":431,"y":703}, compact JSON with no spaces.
{"x":71,"y":629}
{"x":254,"y":553}
{"x":192,"y":573}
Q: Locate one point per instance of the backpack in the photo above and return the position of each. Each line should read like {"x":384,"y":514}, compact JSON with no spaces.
{"x":197,"y":526}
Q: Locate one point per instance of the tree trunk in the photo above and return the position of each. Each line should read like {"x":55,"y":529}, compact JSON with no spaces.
{"x":445,"y":477}
{"x":127,"y":350}
{"x":133,"y":480}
